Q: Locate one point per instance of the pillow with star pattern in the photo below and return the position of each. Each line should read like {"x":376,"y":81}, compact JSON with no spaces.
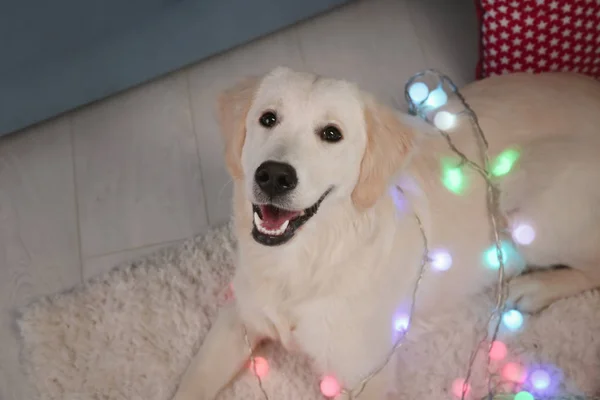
{"x":539,"y":36}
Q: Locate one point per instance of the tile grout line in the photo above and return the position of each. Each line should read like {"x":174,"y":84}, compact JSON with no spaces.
{"x":193,"y":122}
{"x":76,"y":195}
{"x":146,"y":246}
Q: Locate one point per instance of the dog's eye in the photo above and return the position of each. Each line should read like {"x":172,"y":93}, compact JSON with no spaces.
{"x":331,"y":134}
{"x":268,"y":119}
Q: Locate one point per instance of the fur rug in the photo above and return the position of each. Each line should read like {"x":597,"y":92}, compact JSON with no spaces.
{"x":129,"y":335}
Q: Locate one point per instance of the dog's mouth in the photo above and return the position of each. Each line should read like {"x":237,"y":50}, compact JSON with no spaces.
{"x":274,"y":225}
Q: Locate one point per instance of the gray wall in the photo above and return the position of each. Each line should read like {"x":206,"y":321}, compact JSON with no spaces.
{"x":59,"y":55}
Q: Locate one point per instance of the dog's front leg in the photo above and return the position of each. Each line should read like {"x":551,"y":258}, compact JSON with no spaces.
{"x":221,"y":356}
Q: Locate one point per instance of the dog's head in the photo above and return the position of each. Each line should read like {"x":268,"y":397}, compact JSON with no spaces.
{"x":296,"y":140}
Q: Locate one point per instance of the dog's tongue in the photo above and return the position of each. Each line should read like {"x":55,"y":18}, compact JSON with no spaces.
{"x":274,"y":217}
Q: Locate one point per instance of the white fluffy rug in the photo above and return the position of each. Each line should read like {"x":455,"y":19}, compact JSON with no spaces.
{"x":129,"y":335}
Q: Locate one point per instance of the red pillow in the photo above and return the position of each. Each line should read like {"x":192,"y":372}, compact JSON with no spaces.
{"x":539,"y":36}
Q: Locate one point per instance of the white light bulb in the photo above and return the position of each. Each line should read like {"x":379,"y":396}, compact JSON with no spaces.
{"x":440,"y":260}
{"x":523,"y":234}
{"x":444,"y":120}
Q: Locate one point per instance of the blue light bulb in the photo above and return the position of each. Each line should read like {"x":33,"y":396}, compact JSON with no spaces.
{"x":437,"y":98}
{"x":513,"y":320}
{"x":401,"y":323}
{"x":418,"y":92}
{"x":540,"y":379}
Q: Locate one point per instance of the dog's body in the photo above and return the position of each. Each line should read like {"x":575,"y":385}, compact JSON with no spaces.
{"x":332,"y":283}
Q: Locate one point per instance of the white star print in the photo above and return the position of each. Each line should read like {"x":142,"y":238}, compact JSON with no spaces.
{"x":564,"y":69}
{"x":540,"y":35}
{"x":531,"y":71}
{"x":505,"y":71}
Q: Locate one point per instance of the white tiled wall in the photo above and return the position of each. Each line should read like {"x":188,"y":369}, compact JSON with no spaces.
{"x":144,"y":169}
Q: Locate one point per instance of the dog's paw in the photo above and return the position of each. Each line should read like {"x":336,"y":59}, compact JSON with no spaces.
{"x":529,"y":293}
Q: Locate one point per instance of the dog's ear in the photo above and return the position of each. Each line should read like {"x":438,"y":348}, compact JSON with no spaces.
{"x":233,"y":106}
{"x":389,"y":141}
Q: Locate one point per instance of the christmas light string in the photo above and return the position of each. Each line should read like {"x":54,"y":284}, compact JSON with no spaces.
{"x":422,"y":108}
{"x":424,"y":102}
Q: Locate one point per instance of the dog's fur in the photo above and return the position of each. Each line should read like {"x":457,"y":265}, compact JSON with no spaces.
{"x":332,"y":291}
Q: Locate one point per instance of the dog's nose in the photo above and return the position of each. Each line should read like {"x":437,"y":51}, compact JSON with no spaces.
{"x":275,"y":178}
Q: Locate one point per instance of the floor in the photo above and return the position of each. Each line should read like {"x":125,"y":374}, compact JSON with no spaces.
{"x":143,"y":169}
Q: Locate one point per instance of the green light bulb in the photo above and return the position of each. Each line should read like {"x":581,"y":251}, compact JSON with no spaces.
{"x":453,"y":177}
{"x":524,"y":396}
{"x":491,"y":256}
{"x":505,"y":161}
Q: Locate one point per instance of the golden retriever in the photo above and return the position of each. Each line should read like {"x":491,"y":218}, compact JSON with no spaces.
{"x":329,"y":250}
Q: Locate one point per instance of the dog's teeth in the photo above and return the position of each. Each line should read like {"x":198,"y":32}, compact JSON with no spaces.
{"x":283,"y":227}
{"x":257,"y":220}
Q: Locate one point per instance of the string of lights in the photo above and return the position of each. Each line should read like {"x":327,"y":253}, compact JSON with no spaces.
{"x":427,"y":93}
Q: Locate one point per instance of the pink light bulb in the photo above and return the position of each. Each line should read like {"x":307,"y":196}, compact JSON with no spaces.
{"x":458,"y":386}
{"x":514,"y":372}
{"x":498,"y":351}
{"x":330,"y":387}
{"x":261,"y":367}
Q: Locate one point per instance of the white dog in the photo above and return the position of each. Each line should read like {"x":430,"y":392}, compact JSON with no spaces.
{"x":327,"y":257}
